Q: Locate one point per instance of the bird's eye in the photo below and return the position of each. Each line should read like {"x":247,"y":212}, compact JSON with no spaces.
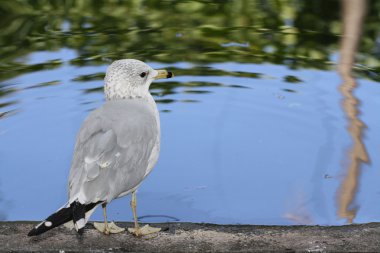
{"x":143,"y":74}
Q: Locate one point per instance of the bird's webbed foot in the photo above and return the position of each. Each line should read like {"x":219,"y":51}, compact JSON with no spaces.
{"x":109,"y":228}
{"x":145,"y":230}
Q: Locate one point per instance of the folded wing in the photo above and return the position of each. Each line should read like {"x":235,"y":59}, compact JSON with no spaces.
{"x":113,"y":151}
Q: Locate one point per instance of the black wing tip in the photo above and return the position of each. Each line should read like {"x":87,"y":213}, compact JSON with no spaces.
{"x":75,"y":212}
{"x":33,"y":232}
{"x":39,"y":229}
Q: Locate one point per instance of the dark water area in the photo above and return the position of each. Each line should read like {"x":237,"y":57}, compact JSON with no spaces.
{"x":269,"y":119}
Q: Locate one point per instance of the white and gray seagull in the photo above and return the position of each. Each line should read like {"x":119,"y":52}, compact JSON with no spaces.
{"x":116,"y":148}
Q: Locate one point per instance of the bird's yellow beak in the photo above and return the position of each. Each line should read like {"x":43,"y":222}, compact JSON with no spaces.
{"x":162,"y":73}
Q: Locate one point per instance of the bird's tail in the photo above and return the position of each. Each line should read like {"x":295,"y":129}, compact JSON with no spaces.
{"x":75,"y":212}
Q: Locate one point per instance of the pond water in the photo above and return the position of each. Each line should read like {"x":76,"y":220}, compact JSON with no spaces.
{"x":258,"y":127}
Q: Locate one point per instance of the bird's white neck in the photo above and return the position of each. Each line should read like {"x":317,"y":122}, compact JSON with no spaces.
{"x":116,"y":91}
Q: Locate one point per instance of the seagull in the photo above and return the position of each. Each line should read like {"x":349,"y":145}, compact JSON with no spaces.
{"x":116,"y":148}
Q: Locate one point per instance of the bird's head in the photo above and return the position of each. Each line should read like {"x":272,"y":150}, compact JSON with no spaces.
{"x":130,"y":78}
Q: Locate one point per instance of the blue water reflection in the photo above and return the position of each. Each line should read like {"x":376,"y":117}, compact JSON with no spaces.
{"x":256,"y":155}
{"x":258,"y":126}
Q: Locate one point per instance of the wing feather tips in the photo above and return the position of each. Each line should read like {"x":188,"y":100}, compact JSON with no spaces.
{"x":79,"y":214}
{"x":63,"y":215}
{"x":75,"y":212}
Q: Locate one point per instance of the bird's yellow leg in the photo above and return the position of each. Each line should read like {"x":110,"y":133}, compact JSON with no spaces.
{"x":134,"y":205}
{"x":107,"y":228}
{"x":137,"y":231}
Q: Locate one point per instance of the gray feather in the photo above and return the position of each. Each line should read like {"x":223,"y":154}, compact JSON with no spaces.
{"x":114,"y":150}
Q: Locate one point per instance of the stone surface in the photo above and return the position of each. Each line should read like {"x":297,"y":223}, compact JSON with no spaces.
{"x":190,"y":237}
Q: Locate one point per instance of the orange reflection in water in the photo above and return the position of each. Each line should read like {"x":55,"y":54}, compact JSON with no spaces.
{"x":353,"y":14}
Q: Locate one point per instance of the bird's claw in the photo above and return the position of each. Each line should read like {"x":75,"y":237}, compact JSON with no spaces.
{"x":111,"y":228}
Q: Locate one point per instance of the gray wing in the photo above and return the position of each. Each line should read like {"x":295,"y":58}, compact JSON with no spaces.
{"x":112,"y":151}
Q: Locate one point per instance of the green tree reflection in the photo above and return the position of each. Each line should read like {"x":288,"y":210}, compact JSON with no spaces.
{"x":299,"y":34}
